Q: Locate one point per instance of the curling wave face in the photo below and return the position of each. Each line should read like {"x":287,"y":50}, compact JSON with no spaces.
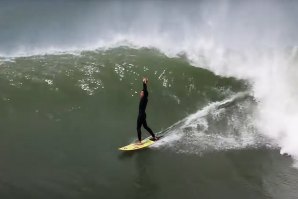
{"x":254,"y":41}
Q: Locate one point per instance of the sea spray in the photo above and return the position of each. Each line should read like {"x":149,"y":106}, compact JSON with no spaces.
{"x":254,"y":40}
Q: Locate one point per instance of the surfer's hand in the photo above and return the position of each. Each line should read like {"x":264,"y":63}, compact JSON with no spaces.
{"x":145,"y":80}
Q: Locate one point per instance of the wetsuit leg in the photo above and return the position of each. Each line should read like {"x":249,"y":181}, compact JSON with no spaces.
{"x":147,"y":128}
{"x":139,"y":125}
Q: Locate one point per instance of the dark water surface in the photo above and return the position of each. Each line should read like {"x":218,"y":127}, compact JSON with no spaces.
{"x":69,"y":98}
{"x":63,"y":118}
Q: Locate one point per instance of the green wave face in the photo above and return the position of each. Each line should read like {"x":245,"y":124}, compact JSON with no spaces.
{"x":103,"y":87}
{"x":64,"y":116}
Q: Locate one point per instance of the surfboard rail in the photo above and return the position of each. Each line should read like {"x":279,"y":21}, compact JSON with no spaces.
{"x":133,"y":146}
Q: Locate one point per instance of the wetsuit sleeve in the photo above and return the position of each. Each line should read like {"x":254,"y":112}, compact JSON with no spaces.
{"x":145,"y":89}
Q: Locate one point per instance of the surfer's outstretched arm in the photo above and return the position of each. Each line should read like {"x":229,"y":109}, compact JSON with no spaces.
{"x":144,"y":86}
{"x":145,"y":81}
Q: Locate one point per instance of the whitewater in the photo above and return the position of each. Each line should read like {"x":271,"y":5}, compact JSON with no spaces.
{"x":249,"y":40}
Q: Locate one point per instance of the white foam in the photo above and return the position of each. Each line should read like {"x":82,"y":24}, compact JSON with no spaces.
{"x":193,"y":134}
{"x":243,"y":39}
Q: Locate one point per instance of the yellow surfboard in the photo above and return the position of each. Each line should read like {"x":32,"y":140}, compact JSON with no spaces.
{"x":134,"y":146}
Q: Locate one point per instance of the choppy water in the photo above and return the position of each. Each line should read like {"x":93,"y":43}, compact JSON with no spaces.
{"x":222,"y":89}
{"x":64,"y":116}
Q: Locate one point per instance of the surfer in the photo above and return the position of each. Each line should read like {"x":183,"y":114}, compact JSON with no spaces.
{"x":142,"y":114}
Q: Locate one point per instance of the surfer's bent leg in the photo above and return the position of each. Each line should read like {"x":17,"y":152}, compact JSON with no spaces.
{"x":139,"y":125}
{"x":148,"y":129}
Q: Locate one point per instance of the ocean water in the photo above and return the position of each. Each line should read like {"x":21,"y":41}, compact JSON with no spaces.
{"x":222,"y":91}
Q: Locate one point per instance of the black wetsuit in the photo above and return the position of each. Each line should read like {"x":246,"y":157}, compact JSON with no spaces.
{"x":142,"y":114}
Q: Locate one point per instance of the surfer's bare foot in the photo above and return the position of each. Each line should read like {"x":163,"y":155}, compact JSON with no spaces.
{"x":138,"y":143}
